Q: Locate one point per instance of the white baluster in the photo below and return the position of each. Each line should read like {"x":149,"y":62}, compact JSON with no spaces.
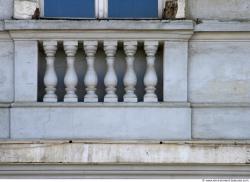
{"x":50,"y":78}
{"x":130,"y":79}
{"x":70,"y":79}
{"x":91,"y":79}
{"x":110,"y":79}
{"x":150,"y":79}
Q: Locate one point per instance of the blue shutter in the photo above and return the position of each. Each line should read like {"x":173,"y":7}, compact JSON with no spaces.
{"x":69,"y":8}
{"x":133,"y":8}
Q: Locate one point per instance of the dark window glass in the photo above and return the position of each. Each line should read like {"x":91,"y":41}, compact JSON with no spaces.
{"x":69,"y":8}
{"x":133,"y":8}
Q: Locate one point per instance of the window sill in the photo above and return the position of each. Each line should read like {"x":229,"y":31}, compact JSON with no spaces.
{"x":89,"y":24}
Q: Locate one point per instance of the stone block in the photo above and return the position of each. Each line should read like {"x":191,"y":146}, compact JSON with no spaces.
{"x":221,"y":123}
{"x":101,"y":123}
{"x":4,"y":123}
{"x":6,"y":71}
{"x":218,"y":9}
{"x":6,"y":9}
{"x":24,"y":9}
{"x":175,"y":71}
{"x":26,"y":71}
{"x":219,"y":72}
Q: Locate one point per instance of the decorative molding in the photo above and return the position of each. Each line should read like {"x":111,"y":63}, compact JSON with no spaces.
{"x":187,"y":171}
{"x":107,"y":105}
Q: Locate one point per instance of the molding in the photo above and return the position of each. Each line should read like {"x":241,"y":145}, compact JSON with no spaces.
{"x":3,"y":105}
{"x":139,"y":30}
{"x":102,"y":105}
{"x":221,"y":37}
{"x":123,"y":171}
{"x":99,"y":25}
{"x":1,"y":25}
{"x":220,"y":105}
{"x":5,"y":36}
{"x":222,"y":26}
{"x":102,"y":35}
{"x":146,"y":142}
{"x":223,"y":31}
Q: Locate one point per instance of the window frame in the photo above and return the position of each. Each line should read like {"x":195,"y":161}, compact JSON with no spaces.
{"x":101,"y":9}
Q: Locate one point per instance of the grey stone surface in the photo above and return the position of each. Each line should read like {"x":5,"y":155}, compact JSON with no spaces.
{"x":218,"y":9}
{"x":4,"y":123}
{"x":221,"y":123}
{"x":6,"y":71}
{"x":6,"y":9}
{"x":219,"y":71}
{"x":111,"y":152}
{"x":101,"y":123}
{"x":175,"y":71}
{"x":99,"y":24}
{"x":26,"y":71}
{"x":24,"y":9}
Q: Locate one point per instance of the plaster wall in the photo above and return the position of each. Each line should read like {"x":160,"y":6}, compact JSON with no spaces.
{"x":105,"y":122}
{"x":4,"y":122}
{"x":6,"y":71}
{"x":218,"y":9}
{"x":6,"y":9}
{"x":219,"y":71}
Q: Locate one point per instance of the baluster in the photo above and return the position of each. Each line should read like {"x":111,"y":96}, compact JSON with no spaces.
{"x":50,"y":78}
{"x":91,"y":79}
{"x":110,"y":79}
{"x":70,"y":79}
{"x":130,"y":79}
{"x":150,"y":79}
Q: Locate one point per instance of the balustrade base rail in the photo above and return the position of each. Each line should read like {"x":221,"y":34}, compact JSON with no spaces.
{"x":126,"y":121}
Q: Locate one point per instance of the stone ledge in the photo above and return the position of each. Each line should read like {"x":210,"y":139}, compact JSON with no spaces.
{"x":98,"y":25}
{"x":220,"y":105}
{"x":222,"y":26}
{"x":82,"y":153}
{"x":187,"y":171}
{"x":102,"y":105}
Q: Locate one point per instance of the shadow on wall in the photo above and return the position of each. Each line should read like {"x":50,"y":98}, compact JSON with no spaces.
{"x":100,"y":67}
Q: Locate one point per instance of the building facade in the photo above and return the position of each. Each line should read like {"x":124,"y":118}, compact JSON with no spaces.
{"x":125,"y":97}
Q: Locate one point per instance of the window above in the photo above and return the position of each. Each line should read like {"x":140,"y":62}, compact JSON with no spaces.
{"x":102,"y":8}
{"x":69,"y":8}
{"x":132,"y":8}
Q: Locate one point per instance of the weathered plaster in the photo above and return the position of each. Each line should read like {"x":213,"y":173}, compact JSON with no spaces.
{"x":6,"y":9}
{"x":125,"y":153}
{"x":101,"y":122}
{"x":6,"y":69}
{"x":24,"y":9}
{"x":218,"y":9}
{"x":221,"y":123}
{"x":219,"y":71}
{"x":4,"y":122}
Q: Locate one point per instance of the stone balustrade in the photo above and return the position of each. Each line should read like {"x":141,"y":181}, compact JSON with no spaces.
{"x":91,"y":79}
